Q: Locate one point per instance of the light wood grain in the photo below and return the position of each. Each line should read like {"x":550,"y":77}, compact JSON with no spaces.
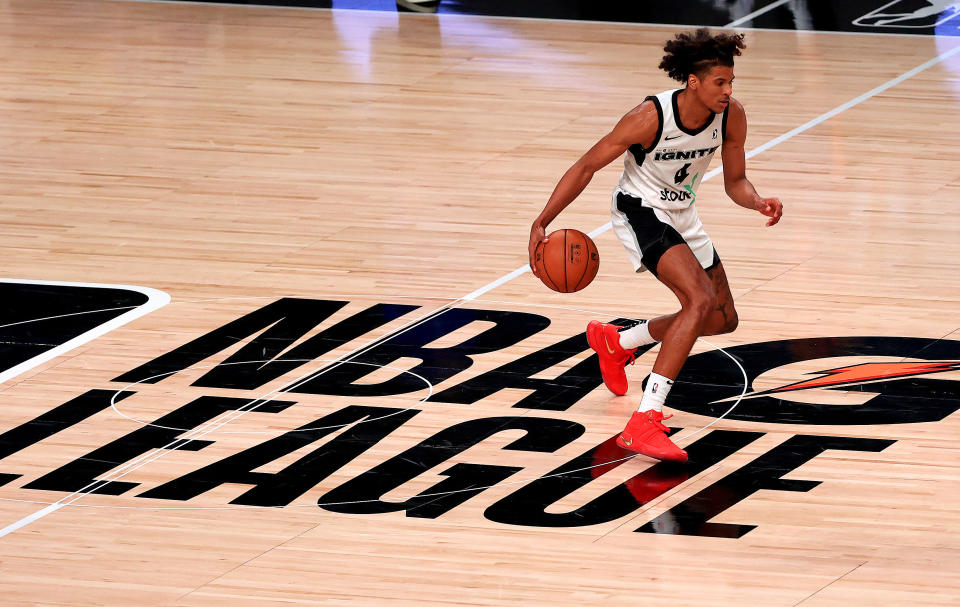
{"x":218,"y":152}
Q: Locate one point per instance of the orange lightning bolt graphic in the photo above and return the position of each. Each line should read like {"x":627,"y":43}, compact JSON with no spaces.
{"x":870,"y":371}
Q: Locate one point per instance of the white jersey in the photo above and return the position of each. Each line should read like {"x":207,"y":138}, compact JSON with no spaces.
{"x":667,"y":175}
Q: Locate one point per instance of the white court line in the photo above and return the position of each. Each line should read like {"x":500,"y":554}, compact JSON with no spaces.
{"x":493,"y":285}
{"x":39,"y":514}
{"x":155,"y":299}
{"x":821,"y":119}
{"x":519,"y":271}
{"x":332,"y":363}
{"x":211,"y":426}
{"x":846,"y":106}
{"x":59,"y":504}
{"x":755,"y":13}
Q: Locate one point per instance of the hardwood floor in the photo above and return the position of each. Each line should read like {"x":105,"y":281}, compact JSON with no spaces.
{"x":259,"y":165}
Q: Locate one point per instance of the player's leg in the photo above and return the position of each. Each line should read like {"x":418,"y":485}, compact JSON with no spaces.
{"x":690,"y":231}
{"x":644,"y":237}
{"x":722,"y":319}
{"x":682,"y":273}
{"x":647,"y":235}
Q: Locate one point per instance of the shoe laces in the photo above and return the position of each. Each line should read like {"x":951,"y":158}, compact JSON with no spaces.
{"x":659,"y":424}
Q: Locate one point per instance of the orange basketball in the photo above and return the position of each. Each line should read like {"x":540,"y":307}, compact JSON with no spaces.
{"x":568,"y":261}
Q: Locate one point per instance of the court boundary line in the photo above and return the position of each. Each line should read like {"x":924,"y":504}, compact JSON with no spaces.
{"x":510,"y":276}
{"x":156,"y":299}
{"x":213,"y":425}
{"x":682,"y":26}
{"x":821,"y":118}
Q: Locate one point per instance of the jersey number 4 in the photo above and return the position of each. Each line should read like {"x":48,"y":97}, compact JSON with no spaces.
{"x":682,"y":174}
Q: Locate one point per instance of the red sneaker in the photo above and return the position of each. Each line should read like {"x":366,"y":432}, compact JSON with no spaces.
{"x":605,"y":341}
{"x":645,"y":434}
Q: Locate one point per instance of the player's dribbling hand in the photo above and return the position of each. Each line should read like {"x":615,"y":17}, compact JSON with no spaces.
{"x":772,"y":208}
{"x":537,"y":235}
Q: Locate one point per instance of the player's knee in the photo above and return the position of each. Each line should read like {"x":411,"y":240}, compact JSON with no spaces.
{"x":725,"y":320}
{"x":722,"y":320}
{"x":702,"y":305}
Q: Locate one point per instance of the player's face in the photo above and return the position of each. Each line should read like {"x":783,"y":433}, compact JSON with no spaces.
{"x":714,"y":88}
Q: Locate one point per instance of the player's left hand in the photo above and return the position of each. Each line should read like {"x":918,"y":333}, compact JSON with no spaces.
{"x":772,"y":208}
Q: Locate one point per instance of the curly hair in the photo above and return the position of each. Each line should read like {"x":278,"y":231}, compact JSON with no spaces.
{"x":698,"y":52}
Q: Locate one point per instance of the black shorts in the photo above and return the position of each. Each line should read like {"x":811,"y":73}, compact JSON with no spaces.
{"x":647,"y":233}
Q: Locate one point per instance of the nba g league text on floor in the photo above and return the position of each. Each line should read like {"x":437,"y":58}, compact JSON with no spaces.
{"x":901,"y":393}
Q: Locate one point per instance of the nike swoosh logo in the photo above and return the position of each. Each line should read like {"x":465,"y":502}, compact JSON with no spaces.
{"x":626,"y":441}
{"x":674,"y":137}
{"x":607,"y":344}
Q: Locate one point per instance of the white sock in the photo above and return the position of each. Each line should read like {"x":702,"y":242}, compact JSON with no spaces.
{"x":636,"y":336}
{"x":655,"y":393}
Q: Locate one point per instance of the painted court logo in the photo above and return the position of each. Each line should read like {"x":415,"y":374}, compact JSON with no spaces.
{"x":902,"y":380}
{"x":858,"y":375}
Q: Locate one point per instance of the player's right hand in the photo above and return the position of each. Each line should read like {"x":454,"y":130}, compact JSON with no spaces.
{"x":772,"y":208}
{"x":538,"y":235}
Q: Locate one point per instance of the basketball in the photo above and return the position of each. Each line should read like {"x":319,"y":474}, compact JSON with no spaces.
{"x":568,"y":261}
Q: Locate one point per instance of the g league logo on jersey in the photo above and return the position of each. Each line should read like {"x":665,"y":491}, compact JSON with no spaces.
{"x":281,"y":337}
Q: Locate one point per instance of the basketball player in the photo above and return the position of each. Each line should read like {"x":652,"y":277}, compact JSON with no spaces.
{"x":667,"y":143}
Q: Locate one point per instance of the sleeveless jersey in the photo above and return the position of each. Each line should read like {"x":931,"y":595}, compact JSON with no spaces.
{"x":667,"y":175}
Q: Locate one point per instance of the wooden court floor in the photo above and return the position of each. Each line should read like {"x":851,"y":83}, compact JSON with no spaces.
{"x":355,"y":397}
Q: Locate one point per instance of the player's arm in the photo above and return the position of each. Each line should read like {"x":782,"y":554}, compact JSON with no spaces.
{"x":637,"y":126}
{"x":738,"y":187}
